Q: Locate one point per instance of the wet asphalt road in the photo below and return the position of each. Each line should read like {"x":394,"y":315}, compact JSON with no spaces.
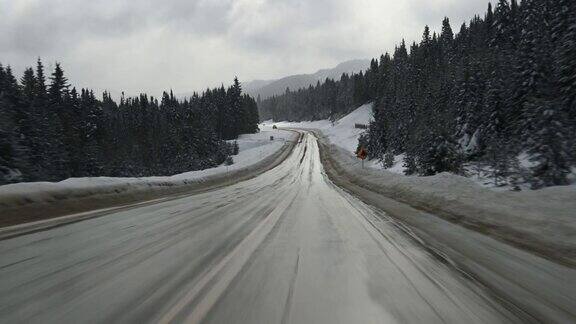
{"x":285,"y":247}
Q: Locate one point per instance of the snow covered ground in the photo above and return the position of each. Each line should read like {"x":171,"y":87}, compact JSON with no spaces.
{"x":344,"y":135}
{"x":474,"y":225}
{"x":253,"y":149}
{"x":546,"y":215}
{"x":342,"y":132}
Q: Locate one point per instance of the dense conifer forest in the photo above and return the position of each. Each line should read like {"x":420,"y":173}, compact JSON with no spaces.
{"x":50,"y":131}
{"x":503,"y":86}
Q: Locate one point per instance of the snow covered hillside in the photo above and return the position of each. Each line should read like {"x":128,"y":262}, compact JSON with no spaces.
{"x":343,"y":132}
{"x":344,"y":135}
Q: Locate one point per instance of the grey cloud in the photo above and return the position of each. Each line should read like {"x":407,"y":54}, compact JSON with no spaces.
{"x":58,"y":25}
{"x":457,"y":11}
{"x":291,"y":26}
{"x":205,"y":17}
{"x":191,"y":44}
{"x":54,"y":26}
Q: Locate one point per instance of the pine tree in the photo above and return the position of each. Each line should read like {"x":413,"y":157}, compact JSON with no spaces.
{"x":58,"y":86}
{"x":38,"y":142}
{"x":40,"y":83}
{"x":56,"y":161}
{"x":409,"y":165}
{"x":564,"y":39}
{"x":388,"y":160}
{"x":447,"y":42}
{"x":500,"y":156}
{"x":565,"y":33}
{"x":469,"y":107}
{"x":12,"y":152}
{"x":550,"y":146}
{"x":504,"y":84}
{"x":29,"y":87}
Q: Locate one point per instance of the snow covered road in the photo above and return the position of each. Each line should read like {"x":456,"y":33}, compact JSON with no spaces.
{"x":285,"y":247}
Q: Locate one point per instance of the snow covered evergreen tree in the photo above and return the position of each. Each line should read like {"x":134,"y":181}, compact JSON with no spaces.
{"x":504,"y":85}
{"x":52,"y":132}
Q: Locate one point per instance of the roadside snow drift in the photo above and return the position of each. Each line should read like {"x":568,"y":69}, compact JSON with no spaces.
{"x":254,"y":149}
{"x":542,"y":220}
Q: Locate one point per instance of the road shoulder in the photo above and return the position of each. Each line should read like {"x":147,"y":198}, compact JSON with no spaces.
{"x":543,"y":289}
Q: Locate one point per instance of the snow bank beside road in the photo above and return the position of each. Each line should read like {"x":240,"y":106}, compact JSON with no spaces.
{"x":344,"y":135}
{"x":253,"y":148}
{"x":256,"y":152}
{"x":542,"y":221}
{"x":538,"y":288}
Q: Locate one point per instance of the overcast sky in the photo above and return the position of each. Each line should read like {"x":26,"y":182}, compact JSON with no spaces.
{"x":148,"y":46}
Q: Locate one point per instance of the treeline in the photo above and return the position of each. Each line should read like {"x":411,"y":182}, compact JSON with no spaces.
{"x":504,"y":85}
{"x":49,"y":131}
{"x":327,"y":100}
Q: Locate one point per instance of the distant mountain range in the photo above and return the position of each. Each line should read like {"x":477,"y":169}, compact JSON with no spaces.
{"x":269,"y":88}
